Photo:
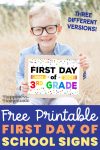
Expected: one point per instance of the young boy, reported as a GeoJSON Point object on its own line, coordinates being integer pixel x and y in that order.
{"type": "Point", "coordinates": [45, 26]}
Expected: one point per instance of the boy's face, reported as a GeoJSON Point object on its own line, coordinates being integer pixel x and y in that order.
{"type": "Point", "coordinates": [45, 40]}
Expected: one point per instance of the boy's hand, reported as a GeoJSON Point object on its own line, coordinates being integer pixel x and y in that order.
{"type": "Point", "coordinates": [24, 88]}
{"type": "Point", "coordinates": [83, 62]}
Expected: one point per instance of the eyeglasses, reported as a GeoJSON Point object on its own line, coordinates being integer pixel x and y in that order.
{"type": "Point", "coordinates": [51, 29]}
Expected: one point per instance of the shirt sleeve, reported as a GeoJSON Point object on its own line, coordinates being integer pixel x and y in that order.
{"type": "Point", "coordinates": [20, 71]}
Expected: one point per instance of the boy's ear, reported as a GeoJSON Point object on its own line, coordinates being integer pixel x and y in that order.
{"type": "Point", "coordinates": [59, 28]}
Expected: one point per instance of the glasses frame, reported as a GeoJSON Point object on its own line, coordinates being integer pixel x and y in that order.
{"type": "Point", "coordinates": [43, 28]}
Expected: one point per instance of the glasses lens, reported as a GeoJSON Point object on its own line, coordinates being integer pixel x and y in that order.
{"type": "Point", "coordinates": [51, 29]}
{"type": "Point", "coordinates": [37, 30]}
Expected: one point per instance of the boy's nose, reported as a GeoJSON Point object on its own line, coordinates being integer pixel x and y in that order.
{"type": "Point", "coordinates": [44, 32]}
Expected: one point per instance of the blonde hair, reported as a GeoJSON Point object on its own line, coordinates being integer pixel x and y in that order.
{"type": "Point", "coordinates": [44, 9]}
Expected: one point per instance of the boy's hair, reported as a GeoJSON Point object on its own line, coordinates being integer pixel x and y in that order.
{"type": "Point", "coordinates": [48, 10]}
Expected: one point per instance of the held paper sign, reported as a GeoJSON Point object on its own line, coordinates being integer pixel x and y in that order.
{"type": "Point", "coordinates": [52, 76]}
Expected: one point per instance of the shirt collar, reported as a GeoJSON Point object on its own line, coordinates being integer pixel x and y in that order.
{"type": "Point", "coordinates": [38, 52]}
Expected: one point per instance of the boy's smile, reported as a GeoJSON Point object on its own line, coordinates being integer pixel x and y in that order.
{"type": "Point", "coordinates": [45, 39]}
{"type": "Point", "coordinates": [46, 44]}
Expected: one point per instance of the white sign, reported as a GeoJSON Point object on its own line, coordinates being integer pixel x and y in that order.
{"type": "Point", "coordinates": [52, 76]}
